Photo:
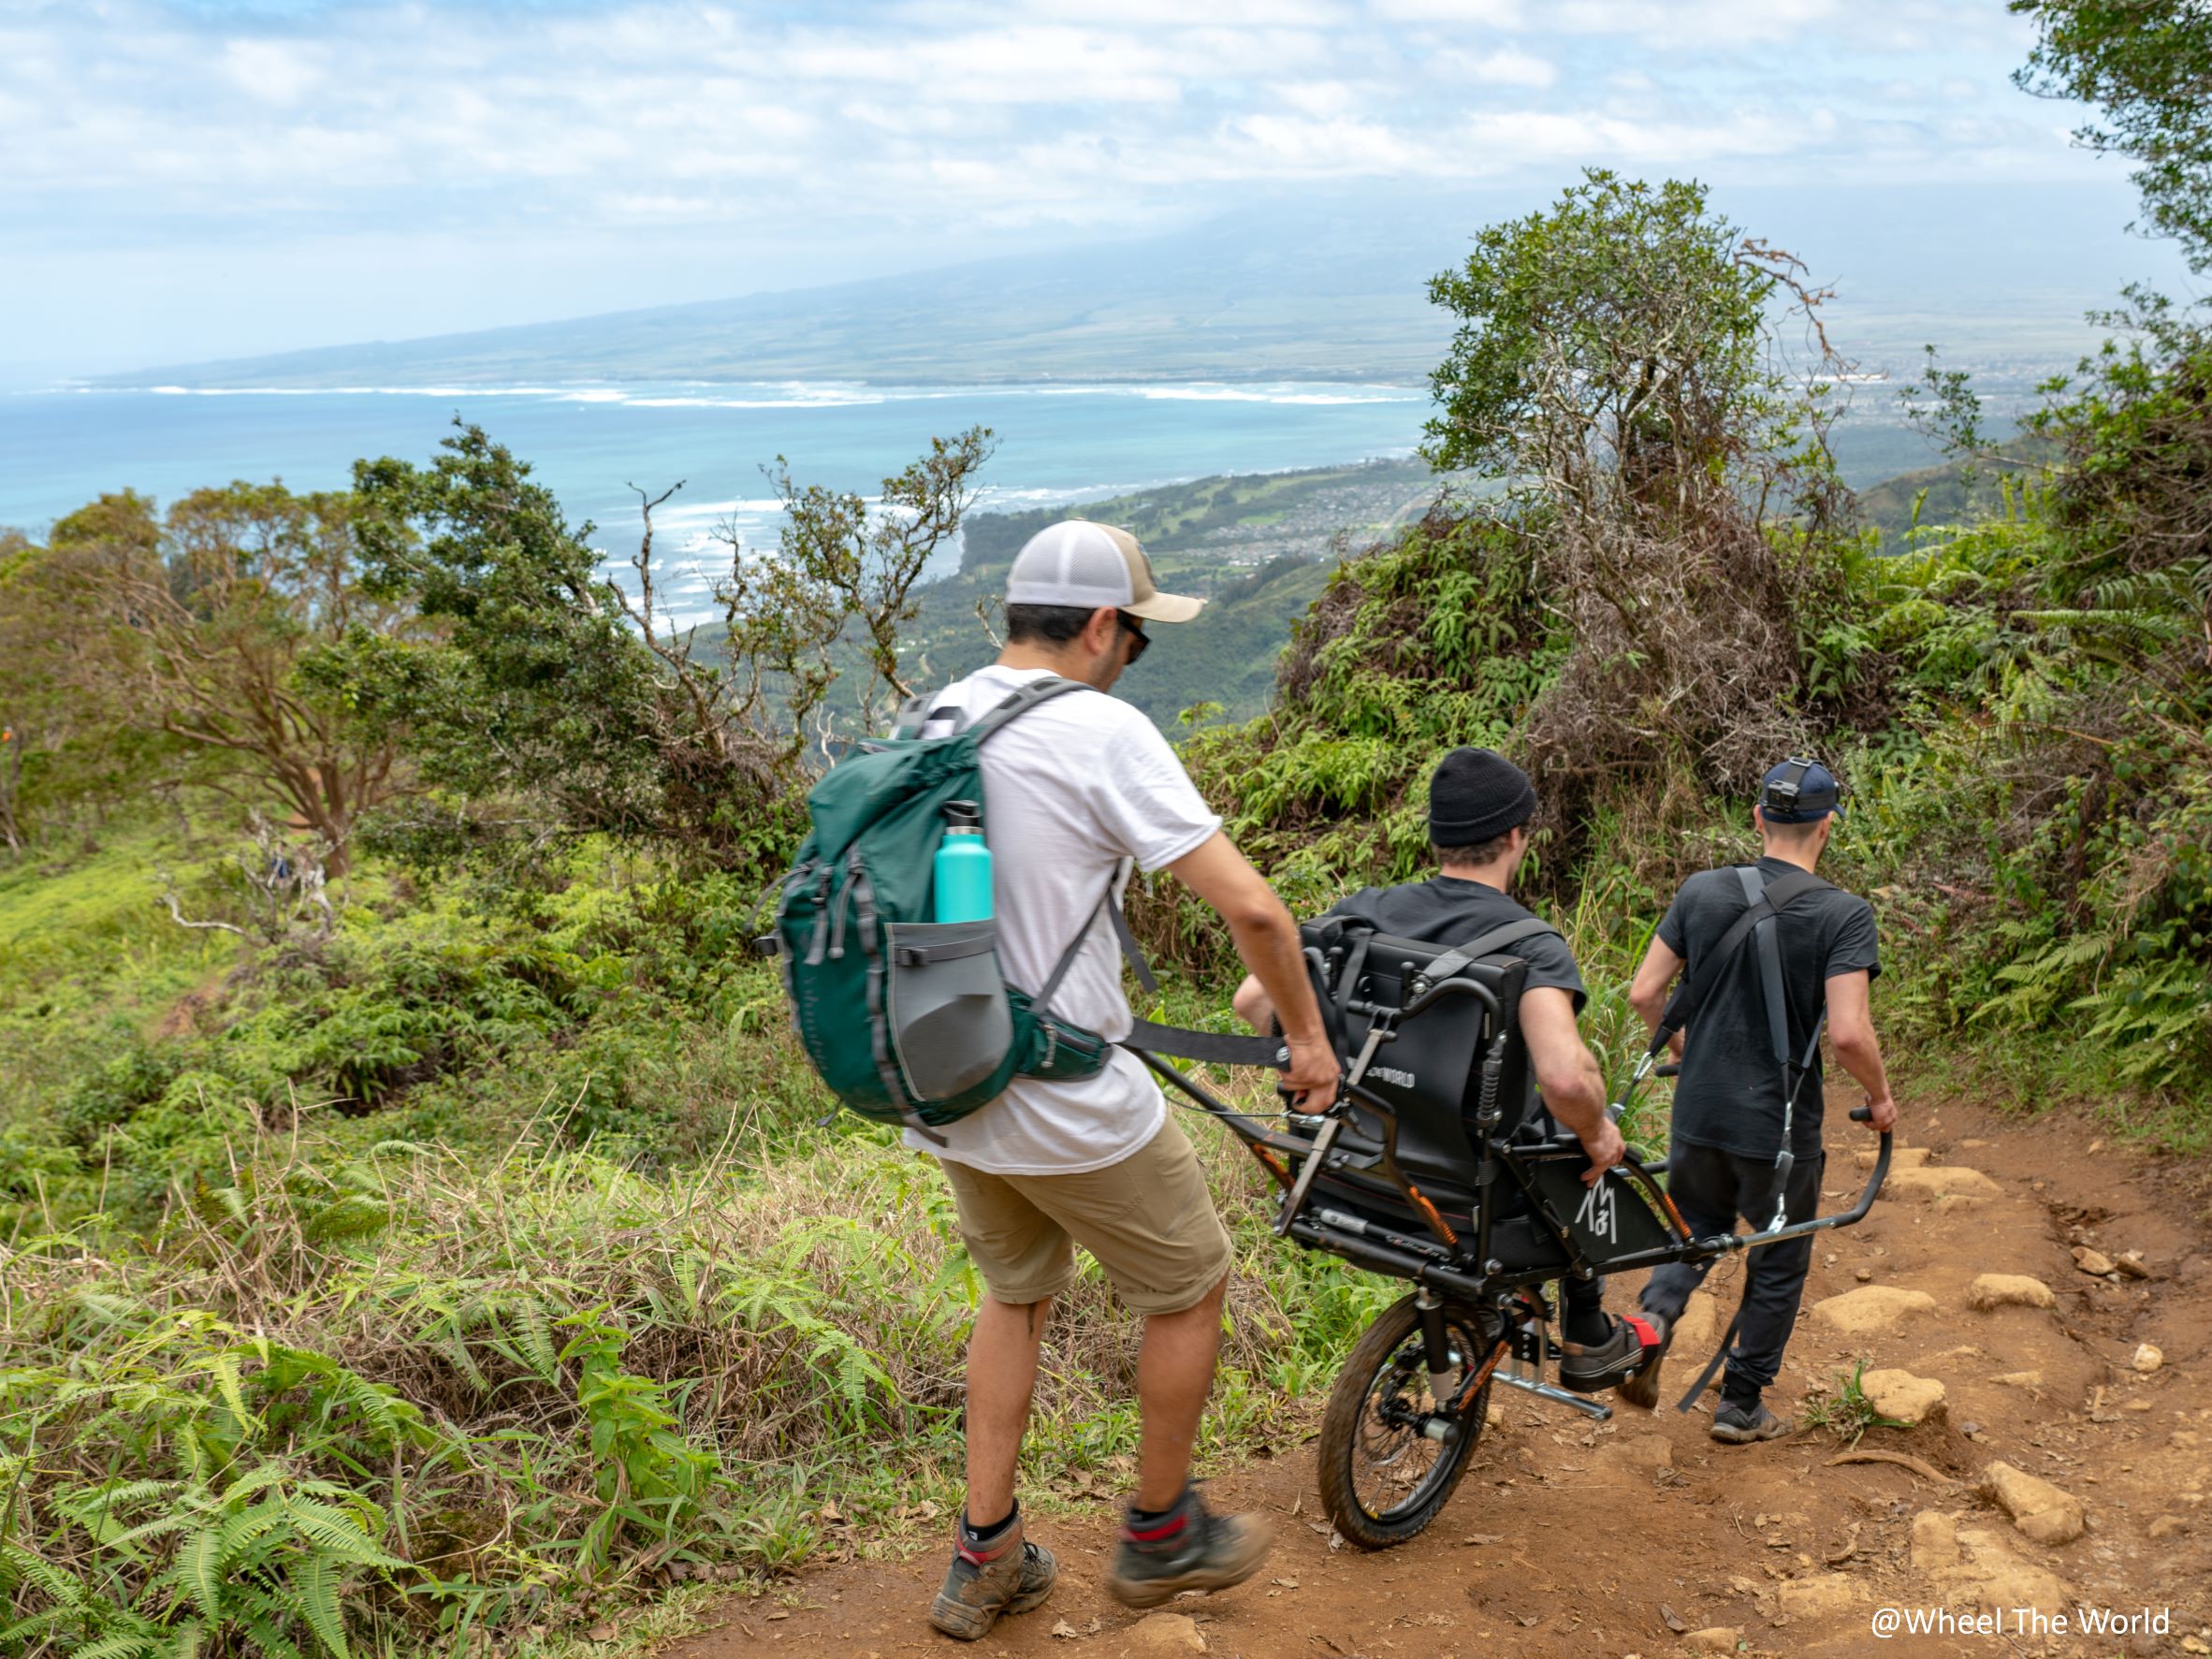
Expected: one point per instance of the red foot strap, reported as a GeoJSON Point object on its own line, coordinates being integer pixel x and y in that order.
{"type": "Point", "coordinates": [1645, 1333]}
{"type": "Point", "coordinates": [1152, 1535]}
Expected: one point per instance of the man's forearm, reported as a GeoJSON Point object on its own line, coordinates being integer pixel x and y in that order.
{"type": "Point", "coordinates": [1861, 1056]}
{"type": "Point", "coordinates": [1270, 950]}
{"type": "Point", "coordinates": [1580, 1103]}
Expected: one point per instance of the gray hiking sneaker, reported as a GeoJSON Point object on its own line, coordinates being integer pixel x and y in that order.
{"type": "Point", "coordinates": [1641, 1387]}
{"type": "Point", "coordinates": [1010, 1577]}
{"type": "Point", "coordinates": [1190, 1549]}
{"type": "Point", "coordinates": [1589, 1367]}
{"type": "Point", "coordinates": [1741, 1425]}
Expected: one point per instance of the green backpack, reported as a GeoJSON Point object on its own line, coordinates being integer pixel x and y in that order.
{"type": "Point", "coordinates": [908, 1019]}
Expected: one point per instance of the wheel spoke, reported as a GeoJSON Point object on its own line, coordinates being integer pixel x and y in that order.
{"type": "Point", "coordinates": [1394, 1464]}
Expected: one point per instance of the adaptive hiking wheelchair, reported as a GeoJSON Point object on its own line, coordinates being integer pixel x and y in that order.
{"type": "Point", "coordinates": [1437, 1165]}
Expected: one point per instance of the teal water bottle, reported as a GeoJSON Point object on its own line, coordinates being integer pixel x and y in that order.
{"type": "Point", "coordinates": [962, 866]}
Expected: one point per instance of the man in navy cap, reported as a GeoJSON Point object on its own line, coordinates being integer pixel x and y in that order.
{"type": "Point", "coordinates": [1729, 1106]}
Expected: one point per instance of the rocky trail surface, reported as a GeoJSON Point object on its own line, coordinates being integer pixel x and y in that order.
{"type": "Point", "coordinates": [2040, 1304]}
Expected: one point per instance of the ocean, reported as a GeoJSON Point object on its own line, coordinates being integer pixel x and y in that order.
{"type": "Point", "coordinates": [60, 449]}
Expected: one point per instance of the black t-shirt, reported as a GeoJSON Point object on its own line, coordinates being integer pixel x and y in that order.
{"type": "Point", "coordinates": [1452, 910]}
{"type": "Point", "coordinates": [1730, 1092]}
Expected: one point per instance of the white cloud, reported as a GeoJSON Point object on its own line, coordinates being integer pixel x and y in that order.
{"type": "Point", "coordinates": [134, 121]}
{"type": "Point", "coordinates": [1496, 14]}
{"type": "Point", "coordinates": [1506, 66]}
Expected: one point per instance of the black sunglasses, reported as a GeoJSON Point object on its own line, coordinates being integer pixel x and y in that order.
{"type": "Point", "coordinates": [1144, 639]}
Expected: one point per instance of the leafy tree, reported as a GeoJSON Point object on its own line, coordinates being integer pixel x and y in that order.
{"type": "Point", "coordinates": [196, 625]}
{"type": "Point", "coordinates": [842, 561]}
{"type": "Point", "coordinates": [1617, 360]}
{"type": "Point", "coordinates": [2148, 64]}
{"type": "Point", "coordinates": [578, 700]}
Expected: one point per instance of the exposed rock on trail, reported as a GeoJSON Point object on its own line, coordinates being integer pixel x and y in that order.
{"type": "Point", "coordinates": [1903, 1397]}
{"type": "Point", "coordinates": [1996, 1290]}
{"type": "Point", "coordinates": [1873, 1310]}
{"type": "Point", "coordinates": [2052, 1468]}
{"type": "Point", "coordinates": [2042, 1511]}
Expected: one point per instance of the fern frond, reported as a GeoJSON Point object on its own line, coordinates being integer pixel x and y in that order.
{"type": "Point", "coordinates": [336, 1533]}
{"type": "Point", "coordinates": [130, 1645]}
{"type": "Point", "coordinates": [19, 1565]}
{"type": "Point", "coordinates": [314, 1588]}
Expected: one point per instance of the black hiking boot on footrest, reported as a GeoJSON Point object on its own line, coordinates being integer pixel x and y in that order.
{"type": "Point", "coordinates": [1188, 1549]}
{"type": "Point", "coordinates": [1589, 1367]}
{"type": "Point", "coordinates": [1011, 1576]}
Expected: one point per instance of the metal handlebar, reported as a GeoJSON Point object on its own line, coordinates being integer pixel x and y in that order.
{"type": "Point", "coordinates": [1822, 1223]}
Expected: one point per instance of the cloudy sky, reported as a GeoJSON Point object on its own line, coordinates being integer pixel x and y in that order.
{"type": "Point", "coordinates": [198, 177]}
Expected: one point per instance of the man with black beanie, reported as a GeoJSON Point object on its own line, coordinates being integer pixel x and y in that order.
{"type": "Point", "coordinates": [1479, 806]}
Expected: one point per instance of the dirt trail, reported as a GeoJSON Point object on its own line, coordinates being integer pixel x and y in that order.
{"type": "Point", "coordinates": [1565, 1538]}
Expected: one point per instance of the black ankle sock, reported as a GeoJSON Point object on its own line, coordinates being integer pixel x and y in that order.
{"type": "Point", "coordinates": [992, 1534]}
{"type": "Point", "coordinates": [1154, 1517]}
{"type": "Point", "coordinates": [1586, 1326]}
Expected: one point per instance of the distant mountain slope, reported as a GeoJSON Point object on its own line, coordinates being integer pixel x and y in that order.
{"type": "Point", "coordinates": [1324, 286]}
{"type": "Point", "coordinates": [1206, 304]}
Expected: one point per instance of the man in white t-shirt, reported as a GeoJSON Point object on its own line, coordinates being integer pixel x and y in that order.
{"type": "Point", "coordinates": [1080, 790]}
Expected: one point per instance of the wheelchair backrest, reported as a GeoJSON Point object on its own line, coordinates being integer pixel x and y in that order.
{"type": "Point", "coordinates": [1430, 1073]}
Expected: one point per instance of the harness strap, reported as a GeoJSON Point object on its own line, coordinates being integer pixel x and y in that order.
{"type": "Point", "coordinates": [1683, 1006]}
{"type": "Point", "coordinates": [1212, 1047]}
{"type": "Point", "coordinates": [1763, 904]}
{"type": "Point", "coordinates": [1130, 951]}
{"type": "Point", "coordinates": [1770, 949]}
{"type": "Point", "coordinates": [1486, 944]}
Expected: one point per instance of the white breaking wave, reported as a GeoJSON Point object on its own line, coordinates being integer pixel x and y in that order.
{"type": "Point", "coordinates": [813, 395]}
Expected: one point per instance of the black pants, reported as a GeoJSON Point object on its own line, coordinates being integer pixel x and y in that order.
{"type": "Point", "coordinates": [1582, 1296]}
{"type": "Point", "coordinates": [1713, 1188]}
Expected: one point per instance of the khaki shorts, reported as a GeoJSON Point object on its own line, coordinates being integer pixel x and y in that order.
{"type": "Point", "coordinates": [1148, 1221]}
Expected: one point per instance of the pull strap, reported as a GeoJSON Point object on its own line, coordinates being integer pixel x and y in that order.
{"type": "Point", "coordinates": [1486, 944]}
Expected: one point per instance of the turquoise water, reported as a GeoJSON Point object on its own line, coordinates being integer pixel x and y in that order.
{"type": "Point", "coordinates": [59, 450]}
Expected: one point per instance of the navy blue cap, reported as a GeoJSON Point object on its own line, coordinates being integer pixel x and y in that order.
{"type": "Point", "coordinates": [1798, 790]}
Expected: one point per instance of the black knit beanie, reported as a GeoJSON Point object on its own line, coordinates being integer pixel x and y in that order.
{"type": "Point", "coordinates": [1475, 795]}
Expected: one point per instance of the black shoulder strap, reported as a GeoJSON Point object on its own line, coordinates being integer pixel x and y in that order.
{"type": "Point", "coordinates": [1485, 945]}
{"type": "Point", "coordinates": [1762, 905]}
{"type": "Point", "coordinates": [1131, 951]}
{"type": "Point", "coordinates": [1772, 992]}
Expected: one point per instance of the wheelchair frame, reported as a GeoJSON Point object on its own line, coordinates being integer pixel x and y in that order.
{"type": "Point", "coordinates": [1446, 1269]}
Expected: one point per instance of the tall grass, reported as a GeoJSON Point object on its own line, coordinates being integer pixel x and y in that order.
{"type": "Point", "coordinates": [405, 1396]}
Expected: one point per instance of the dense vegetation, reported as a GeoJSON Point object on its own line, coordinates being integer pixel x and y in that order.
{"type": "Point", "coordinates": [418, 1230]}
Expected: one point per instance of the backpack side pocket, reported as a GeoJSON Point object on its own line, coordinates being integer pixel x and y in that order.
{"type": "Point", "coordinates": [951, 1026]}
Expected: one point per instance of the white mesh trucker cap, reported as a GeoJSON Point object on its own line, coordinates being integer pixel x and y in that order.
{"type": "Point", "coordinates": [1076, 563]}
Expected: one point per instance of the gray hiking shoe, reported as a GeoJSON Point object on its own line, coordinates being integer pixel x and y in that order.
{"type": "Point", "coordinates": [1011, 1577]}
{"type": "Point", "coordinates": [1641, 1387]}
{"type": "Point", "coordinates": [1589, 1367]}
{"type": "Point", "coordinates": [1191, 1548]}
{"type": "Point", "coordinates": [1741, 1425]}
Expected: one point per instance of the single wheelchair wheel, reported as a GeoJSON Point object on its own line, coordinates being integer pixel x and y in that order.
{"type": "Point", "coordinates": [1390, 1456]}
